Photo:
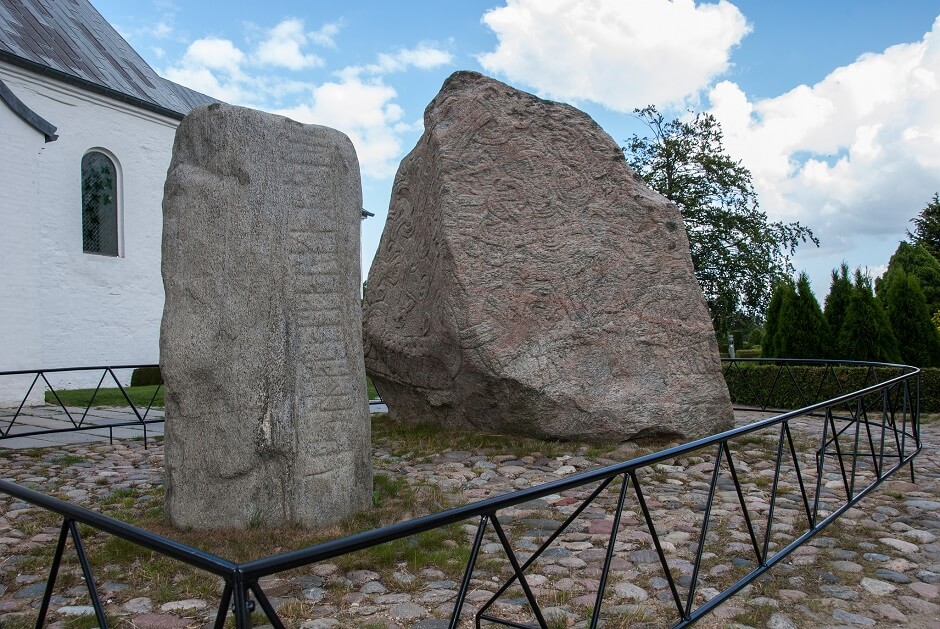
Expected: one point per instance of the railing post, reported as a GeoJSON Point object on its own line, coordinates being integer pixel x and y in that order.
{"type": "Point", "coordinates": [241, 601]}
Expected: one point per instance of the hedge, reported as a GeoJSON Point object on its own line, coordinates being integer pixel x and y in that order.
{"type": "Point", "coordinates": [146, 376]}
{"type": "Point", "coordinates": [765, 384]}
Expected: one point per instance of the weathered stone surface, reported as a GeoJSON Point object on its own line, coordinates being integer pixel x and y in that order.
{"type": "Point", "coordinates": [261, 344]}
{"type": "Point", "coordinates": [528, 282]}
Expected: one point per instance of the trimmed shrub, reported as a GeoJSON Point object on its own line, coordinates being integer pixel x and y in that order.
{"type": "Point", "coordinates": [146, 376]}
{"type": "Point", "coordinates": [802, 385]}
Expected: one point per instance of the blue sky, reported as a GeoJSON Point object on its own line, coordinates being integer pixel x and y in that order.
{"type": "Point", "coordinates": [833, 106]}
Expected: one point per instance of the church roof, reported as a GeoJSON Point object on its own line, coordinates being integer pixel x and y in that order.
{"type": "Point", "coordinates": [70, 41]}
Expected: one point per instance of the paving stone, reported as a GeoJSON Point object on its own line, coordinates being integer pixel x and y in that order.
{"type": "Point", "coordinates": [886, 610]}
{"type": "Point", "coordinates": [139, 605]}
{"type": "Point", "coordinates": [630, 592]}
{"type": "Point", "coordinates": [898, 544]}
{"type": "Point", "coordinates": [846, 566]}
{"type": "Point", "coordinates": [892, 575]}
{"type": "Point", "coordinates": [184, 605]}
{"type": "Point", "coordinates": [76, 610]}
{"type": "Point", "coordinates": [780, 621]}
{"type": "Point", "coordinates": [925, 590]}
{"type": "Point", "coordinates": [876, 587]}
{"type": "Point", "coordinates": [843, 592]}
{"type": "Point", "coordinates": [407, 611]}
{"type": "Point", "coordinates": [854, 619]}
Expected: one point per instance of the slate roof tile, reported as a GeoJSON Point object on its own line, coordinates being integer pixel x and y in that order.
{"type": "Point", "coordinates": [73, 40]}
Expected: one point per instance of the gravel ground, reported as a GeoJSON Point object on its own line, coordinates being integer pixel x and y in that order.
{"type": "Point", "coordinates": [877, 566]}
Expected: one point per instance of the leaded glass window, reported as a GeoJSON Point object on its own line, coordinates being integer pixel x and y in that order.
{"type": "Point", "coordinates": [99, 204]}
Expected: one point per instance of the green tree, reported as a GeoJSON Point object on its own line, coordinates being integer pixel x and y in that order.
{"type": "Point", "coordinates": [904, 302]}
{"type": "Point", "coordinates": [866, 332]}
{"type": "Point", "coordinates": [837, 301]}
{"type": "Point", "coordinates": [737, 253]}
{"type": "Point", "coordinates": [784, 292]}
{"type": "Point", "coordinates": [800, 328]}
{"type": "Point", "coordinates": [927, 227]}
{"type": "Point", "coordinates": [917, 261]}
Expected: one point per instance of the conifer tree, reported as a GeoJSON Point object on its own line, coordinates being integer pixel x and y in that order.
{"type": "Point", "coordinates": [927, 227]}
{"type": "Point", "coordinates": [783, 292]}
{"type": "Point", "coordinates": [918, 340]}
{"type": "Point", "coordinates": [837, 302]}
{"type": "Point", "coordinates": [919, 262]}
{"type": "Point", "coordinates": [800, 330]}
{"type": "Point", "coordinates": [866, 331]}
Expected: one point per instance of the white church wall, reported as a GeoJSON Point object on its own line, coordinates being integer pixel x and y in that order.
{"type": "Point", "coordinates": [63, 307]}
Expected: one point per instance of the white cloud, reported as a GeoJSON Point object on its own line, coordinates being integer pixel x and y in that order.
{"type": "Point", "coordinates": [213, 66]}
{"type": "Point", "coordinates": [358, 101]}
{"type": "Point", "coordinates": [857, 154]}
{"type": "Point", "coordinates": [619, 54]}
{"type": "Point", "coordinates": [425, 56]}
{"type": "Point", "coordinates": [326, 34]}
{"type": "Point", "coordinates": [366, 112]}
{"type": "Point", "coordinates": [215, 54]}
{"type": "Point", "coordinates": [284, 45]}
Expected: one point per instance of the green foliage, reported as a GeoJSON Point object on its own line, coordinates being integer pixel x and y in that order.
{"type": "Point", "coordinates": [145, 376]}
{"type": "Point", "coordinates": [802, 331]}
{"type": "Point", "coordinates": [904, 302]}
{"type": "Point", "coordinates": [837, 301]}
{"type": "Point", "coordinates": [798, 386]}
{"type": "Point", "coordinates": [927, 227]}
{"type": "Point", "coordinates": [755, 338]}
{"type": "Point", "coordinates": [737, 253]}
{"type": "Point", "coordinates": [783, 291]}
{"type": "Point", "coordinates": [919, 262]}
{"type": "Point", "coordinates": [866, 333]}
{"type": "Point", "coordinates": [753, 384]}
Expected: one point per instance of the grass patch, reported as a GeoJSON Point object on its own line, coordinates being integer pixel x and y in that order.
{"type": "Point", "coordinates": [428, 440]}
{"type": "Point", "coordinates": [141, 396]}
{"type": "Point", "coordinates": [69, 459]}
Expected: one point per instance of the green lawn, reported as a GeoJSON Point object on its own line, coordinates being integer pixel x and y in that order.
{"type": "Point", "coordinates": [141, 396]}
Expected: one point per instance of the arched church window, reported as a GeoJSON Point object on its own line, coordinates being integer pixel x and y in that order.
{"type": "Point", "coordinates": [99, 204]}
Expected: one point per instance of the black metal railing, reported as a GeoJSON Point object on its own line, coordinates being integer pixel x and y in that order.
{"type": "Point", "coordinates": [822, 459]}
{"type": "Point", "coordinates": [25, 418]}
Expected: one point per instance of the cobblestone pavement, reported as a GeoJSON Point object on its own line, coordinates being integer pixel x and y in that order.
{"type": "Point", "coordinates": [877, 566]}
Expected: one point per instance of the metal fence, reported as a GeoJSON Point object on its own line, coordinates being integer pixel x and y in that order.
{"type": "Point", "coordinates": [33, 413]}
{"type": "Point", "coordinates": [823, 458]}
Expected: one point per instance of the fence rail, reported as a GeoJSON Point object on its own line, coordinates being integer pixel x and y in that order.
{"type": "Point", "coordinates": [856, 439]}
{"type": "Point", "coordinates": [29, 419]}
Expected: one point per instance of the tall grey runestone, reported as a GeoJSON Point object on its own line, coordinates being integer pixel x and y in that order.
{"type": "Point", "coordinates": [261, 342]}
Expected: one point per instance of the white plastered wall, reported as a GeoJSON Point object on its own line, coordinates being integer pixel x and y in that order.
{"type": "Point", "coordinates": [60, 307]}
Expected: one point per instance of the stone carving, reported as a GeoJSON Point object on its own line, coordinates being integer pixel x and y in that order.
{"type": "Point", "coordinates": [528, 282]}
{"type": "Point", "coordinates": [261, 343]}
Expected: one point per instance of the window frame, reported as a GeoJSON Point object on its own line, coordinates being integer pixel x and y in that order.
{"type": "Point", "coordinates": [118, 203]}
